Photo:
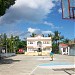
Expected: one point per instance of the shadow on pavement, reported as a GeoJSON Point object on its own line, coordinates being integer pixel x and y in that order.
{"type": "Point", "coordinates": [8, 61]}
{"type": "Point", "coordinates": [70, 71]}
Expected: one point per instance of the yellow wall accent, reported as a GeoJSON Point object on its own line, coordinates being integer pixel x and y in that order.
{"type": "Point", "coordinates": [36, 53]}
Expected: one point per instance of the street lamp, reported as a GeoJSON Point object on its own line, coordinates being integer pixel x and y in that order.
{"type": "Point", "coordinates": [12, 46]}
{"type": "Point", "coordinates": [6, 47]}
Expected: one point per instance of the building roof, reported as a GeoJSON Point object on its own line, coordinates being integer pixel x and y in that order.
{"type": "Point", "coordinates": [38, 38]}
{"type": "Point", "coordinates": [63, 45]}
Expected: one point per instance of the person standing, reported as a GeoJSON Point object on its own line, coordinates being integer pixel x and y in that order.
{"type": "Point", "coordinates": [51, 55]}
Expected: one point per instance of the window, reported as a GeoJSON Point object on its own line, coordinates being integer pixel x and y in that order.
{"type": "Point", "coordinates": [30, 49]}
{"type": "Point", "coordinates": [39, 43]}
{"type": "Point", "coordinates": [31, 42]}
{"type": "Point", "coordinates": [28, 43]}
{"type": "Point", "coordinates": [43, 42]}
{"type": "Point", "coordinates": [46, 42]}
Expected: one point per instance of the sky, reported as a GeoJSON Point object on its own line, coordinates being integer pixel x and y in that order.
{"type": "Point", "coordinates": [36, 16]}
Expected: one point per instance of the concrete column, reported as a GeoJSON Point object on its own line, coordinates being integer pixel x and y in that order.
{"type": "Point", "coordinates": [68, 50]}
{"type": "Point", "coordinates": [62, 51]}
{"type": "Point", "coordinates": [27, 50]}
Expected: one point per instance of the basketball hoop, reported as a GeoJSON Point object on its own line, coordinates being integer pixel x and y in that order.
{"type": "Point", "coordinates": [68, 9]}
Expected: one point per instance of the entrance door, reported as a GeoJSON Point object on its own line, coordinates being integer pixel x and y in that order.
{"type": "Point", "coordinates": [39, 50]}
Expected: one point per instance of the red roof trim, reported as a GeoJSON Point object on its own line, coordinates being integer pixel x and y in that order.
{"type": "Point", "coordinates": [63, 45]}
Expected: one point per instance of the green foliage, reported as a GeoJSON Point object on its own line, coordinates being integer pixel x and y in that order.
{"type": "Point", "coordinates": [56, 38]}
{"type": "Point", "coordinates": [33, 35]}
{"type": "Point", "coordinates": [55, 48]}
{"type": "Point", "coordinates": [66, 41]}
{"type": "Point", "coordinates": [5, 4]}
{"type": "Point", "coordinates": [49, 35]}
{"type": "Point", "coordinates": [13, 43]}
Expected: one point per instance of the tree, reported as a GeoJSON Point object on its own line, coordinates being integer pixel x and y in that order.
{"type": "Point", "coordinates": [5, 4]}
{"type": "Point", "coordinates": [43, 35]}
{"type": "Point", "coordinates": [50, 35]}
{"type": "Point", "coordinates": [1, 39]}
{"type": "Point", "coordinates": [16, 43]}
{"type": "Point", "coordinates": [4, 39]}
{"type": "Point", "coordinates": [66, 41]}
{"type": "Point", "coordinates": [22, 44]}
{"type": "Point", "coordinates": [12, 43]}
{"type": "Point", "coordinates": [33, 35]}
{"type": "Point", "coordinates": [56, 38]}
{"type": "Point", "coordinates": [0, 44]}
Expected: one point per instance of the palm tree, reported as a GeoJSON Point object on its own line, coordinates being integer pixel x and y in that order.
{"type": "Point", "coordinates": [50, 35]}
{"type": "Point", "coordinates": [16, 42]}
{"type": "Point", "coordinates": [33, 35]}
{"type": "Point", "coordinates": [12, 43]}
{"type": "Point", "coordinates": [4, 39]}
{"type": "Point", "coordinates": [43, 35]}
{"type": "Point", "coordinates": [56, 38]}
{"type": "Point", "coordinates": [1, 39]}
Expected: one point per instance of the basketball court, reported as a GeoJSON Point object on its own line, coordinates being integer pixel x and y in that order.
{"type": "Point", "coordinates": [38, 65]}
{"type": "Point", "coordinates": [53, 67]}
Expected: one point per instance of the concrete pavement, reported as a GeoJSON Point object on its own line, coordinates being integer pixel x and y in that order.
{"type": "Point", "coordinates": [27, 65]}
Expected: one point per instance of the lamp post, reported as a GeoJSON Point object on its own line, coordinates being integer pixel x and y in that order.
{"type": "Point", "coordinates": [6, 47]}
{"type": "Point", "coordinates": [12, 46]}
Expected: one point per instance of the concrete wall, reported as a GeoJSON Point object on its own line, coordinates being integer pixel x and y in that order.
{"type": "Point", "coordinates": [36, 53]}
{"type": "Point", "coordinates": [72, 52]}
{"type": "Point", "coordinates": [7, 54]}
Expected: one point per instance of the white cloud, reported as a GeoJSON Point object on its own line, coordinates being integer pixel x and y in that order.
{"type": "Point", "coordinates": [29, 32]}
{"type": "Point", "coordinates": [57, 27]}
{"type": "Point", "coordinates": [60, 10]}
{"type": "Point", "coordinates": [56, 0]}
{"type": "Point", "coordinates": [48, 23]}
{"type": "Point", "coordinates": [39, 31]}
{"type": "Point", "coordinates": [52, 25]}
{"type": "Point", "coordinates": [31, 10]}
{"type": "Point", "coordinates": [14, 33]}
{"type": "Point", "coordinates": [47, 32]}
{"type": "Point", "coordinates": [32, 30]}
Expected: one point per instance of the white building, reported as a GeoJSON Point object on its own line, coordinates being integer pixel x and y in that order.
{"type": "Point", "coordinates": [64, 49]}
{"type": "Point", "coordinates": [39, 44]}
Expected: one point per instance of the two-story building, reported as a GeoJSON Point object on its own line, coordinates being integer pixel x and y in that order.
{"type": "Point", "coordinates": [39, 44]}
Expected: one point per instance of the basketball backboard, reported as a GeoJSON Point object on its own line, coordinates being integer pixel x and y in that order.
{"type": "Point", "coordinates": [68, 9]}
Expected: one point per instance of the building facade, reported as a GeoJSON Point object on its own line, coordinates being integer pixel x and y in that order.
{"type": "Point", "coordinates": [39, 44]}
{"type": "Point", "coordinates": [64, 49]}
{"type": "Point", "coordinates": [72, 50]}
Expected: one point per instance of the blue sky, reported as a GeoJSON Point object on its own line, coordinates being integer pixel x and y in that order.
{"type": "Point", "coordinates": [41, 17]}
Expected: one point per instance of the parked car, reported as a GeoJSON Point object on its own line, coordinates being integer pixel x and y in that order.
{"type": "Point", "coordinates": [21, 51]}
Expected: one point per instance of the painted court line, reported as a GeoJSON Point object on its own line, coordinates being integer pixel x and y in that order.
{"type": "Point", "coordinates": [45, 59]}
{"type": "Point", "coordinates": [33, 70]}
{"type": "Point", "coordinates": [57, 66]}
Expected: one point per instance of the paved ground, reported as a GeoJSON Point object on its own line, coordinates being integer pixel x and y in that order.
{"type": "Point", "coordinates": [27, 65]}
